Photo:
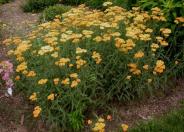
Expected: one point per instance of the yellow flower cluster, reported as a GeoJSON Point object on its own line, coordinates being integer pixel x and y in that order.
{"type": "Point", "coordinates": [157, 14]}
{"type": "Point", "coordinates": [99, 126]}
{"type": "Point", "coordinates": [66, 81]}
{"type": "Point", "coordinates": [21, 67]}
{"type": "Point", "coordinates": [31, 74]}
{"type": "Point", "coordinates": [165, 31]}
{"type": "Point", "coordinates": [139, 54]}
{"type": "Point", "coordinates": [36, 111]}
{"type": "Point", "coordinates": [51, 97]}
{"type": "Point", "coordinates": [124, 127]}
{"type": "Point", "coordinates": [42, 81]}
{"type": "Point", "coordinates": [97, 57]}
{"type": "Point", "coordinates": [107, 3]}
{"type": "Point", "coordinates": [45, 49]}
{"type": "Point", "coordinates": [134, 69]}
{"type": "Point", "coordinates": [124, 46]}
{"type": "Point", "coordinates": [74, 80]}
{"type": "Point", "coordinates": [160, 67]}
{"type": "Point", "coordinates": [33, 97]}
{"type": "Point", "coordinates": [80, 50]}
{"type": "Point", "coordinates": [179, 20]}
{"type": "Point", "coordinates": [62, 62]}
{"type": "Point", "coordinates": [56, 81]}
{"type": "Point", "coordinates": [154, 47]}
{"type": "Point", "coordinates": [80, 62]}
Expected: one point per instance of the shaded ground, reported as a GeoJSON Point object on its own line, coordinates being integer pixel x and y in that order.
{"type": "Point", "coordinates": [15, 113]}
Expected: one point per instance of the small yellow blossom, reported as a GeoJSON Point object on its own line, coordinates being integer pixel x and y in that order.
{"type": "Point", "coordinates": [154, 47]}
{"type": "Point", "coordinates": [97, 57]}
{"type": "Point", "coordinates": [36, 111]}
{"type": "Point", "coordinates": [80, 50]}
{"type": "Point", "coordinates": [17, 78]}
{"type": "Point", "coordinates": [128, 77]}
{"type": "Point", "coordinates": [74, 75]}
{"type": "Point", "coordinates": [66, 81]}
{"type": "Point", "coordinates": [124, 127]}
{"type": "Point", "coordinates": [98, 39]}
{"type": "Point", "coordinates": [50, 97]}
{"type": "Point", "coordinates": [80, 62]}
{"type": "Point", "coordinates": [146, 67]}
{"type": "Point", "coordinates": [25, 72]}
{"type": "Point", "coordinates": [62, 62]}
{"type": "Point", "coordinates": [160, 66]}
{"type": "Point", "coordinates": [33, 97]}
{"type": "Point", "coordinates": [108, 3]}
{"type": "Point", "coordinates": [55, 54]}
{"type": "Point", "coordinates": [139, 54]}
{"type": "Point", "coordinates": [56, 81]}
{"type": "Point", "coordinates": [164, 43]}
{"type": "Point", "coordinates": [42, 81]}
{"type": "Point", "coordinates": [21, 67]}
{"type": "Point", "coordinates": [99, 127]}
{"type": "Point", "coordinates": [101, 120]}
{"type": "Point", "coordinates": [31, 74]}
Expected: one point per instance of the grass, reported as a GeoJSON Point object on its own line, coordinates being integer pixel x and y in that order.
{"type": "Point", "coordinates": [172, 122]}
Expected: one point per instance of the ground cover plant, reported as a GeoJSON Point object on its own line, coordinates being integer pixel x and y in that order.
{"type": "Point", "coordinates": [38, 5]}
{"type": "Point", "coordinates": [76, 64]}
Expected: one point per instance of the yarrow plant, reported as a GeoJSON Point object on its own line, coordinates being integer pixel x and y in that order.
{"type": "Point", "coordinates": [6, 70]}
{"type": "Point", "coordinates": [77, 64]}
{"type": "Point", "coordinates": [99, 125]}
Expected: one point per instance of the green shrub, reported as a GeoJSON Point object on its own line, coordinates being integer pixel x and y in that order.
{"type": "Point", "coordinates": [4, 1]}
{"type": "Point", "coordinates": [73, 2]}
{"type": "Point", "coordinates": [51, 12]}
{"type": "Point", "coordinates": [98, 4]}
{"type": "Point", "coordinates": [171, 8]}
{"type": "Point", "coordinates": [38, 5]}
{"type": "Point", "coordinates": [74, 66]}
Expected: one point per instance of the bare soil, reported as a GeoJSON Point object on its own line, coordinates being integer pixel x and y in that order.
{"type": "Point", "coordinates": [18, 22]}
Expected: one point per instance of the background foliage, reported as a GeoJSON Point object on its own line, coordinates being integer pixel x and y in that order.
{"type": "Point", "coordinates": [51, 12]}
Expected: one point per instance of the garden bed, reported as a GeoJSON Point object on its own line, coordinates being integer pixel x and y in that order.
{"type": "Point", "coordinates": [70, 68]}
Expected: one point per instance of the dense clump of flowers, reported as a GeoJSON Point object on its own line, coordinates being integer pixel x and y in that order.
{"type": "Point", "coordinates": [6, 70]}
{"type": "Point", "coordinates": [88, 58]}
{"type": "Point", "coordinates": [100, 124]}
